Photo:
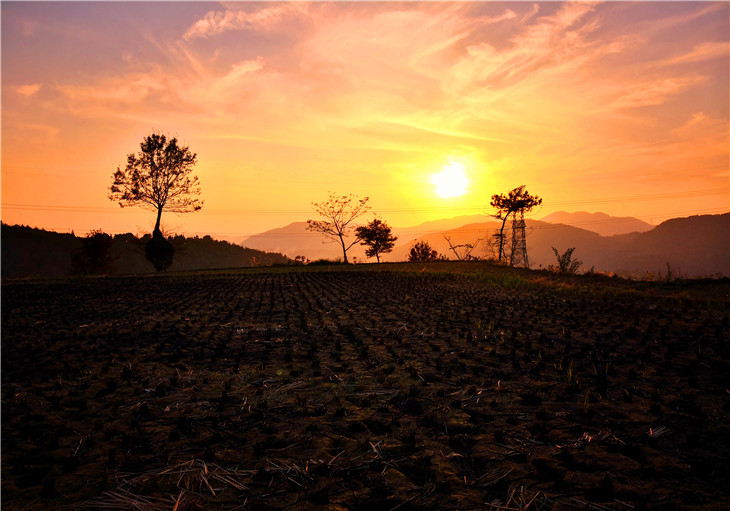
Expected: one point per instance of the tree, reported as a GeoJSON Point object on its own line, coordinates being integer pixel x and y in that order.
{"type": "Point", "coordinates": [468, 248]}
{"type": "Point", "coordinates": [421, 252]}
{"type": "Point", "coordinates": [338, 212]}
{"type": "Point", "coordinates": [517, 201]}
{"type": "Point", "coordinates": [377, 237]}
{"type": "Point", "coordinates": [566, 263]}
{"type": "Point", "coordinates": [158, 178]}
{"type": "Point", "coordinates": [94, 257]}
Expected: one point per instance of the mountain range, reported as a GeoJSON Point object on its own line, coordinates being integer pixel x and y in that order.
{"type": "Point", "coordinates": [601, 223]}
{"type": "Point", "coordinates": [697, 246]}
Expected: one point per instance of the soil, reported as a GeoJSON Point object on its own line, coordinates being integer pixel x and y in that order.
{"type": "Point", "coordinates": [364, 389]}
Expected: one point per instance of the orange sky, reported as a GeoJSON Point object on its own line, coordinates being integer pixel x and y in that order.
{"type": "Point", "coordinates": [619, 107]}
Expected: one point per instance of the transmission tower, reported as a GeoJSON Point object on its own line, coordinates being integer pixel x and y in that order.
{"type": "Point", "coordinates": [519, 241]}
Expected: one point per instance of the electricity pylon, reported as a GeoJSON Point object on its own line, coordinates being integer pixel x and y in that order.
{"type": "Point", "coordinates": [518, 257]}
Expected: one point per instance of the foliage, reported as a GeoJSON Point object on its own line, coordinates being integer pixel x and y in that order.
{"type": "Point", "coordinates": [28, 252]}
{"type": "Point", "coordinates": [325, 262]}
{"type": "Point", "coordinates": [94, 257]}
{"type": "Point", "coordinates": [516, 201]}
{"type": "Point", "coordinates": [32, 252]}
{"type": "Point", "coordinates": [566, 263]}
{"type": "Point", "coordinates": [377, 236]}
{"type": "Point", "coordinates": [422, 251]}
{"type": "Point", "coordinates": [158, 178]}
{"type": "Point", "coordinates": [159, 251]}
{"type": "Point", "coordinates": [338, 212]}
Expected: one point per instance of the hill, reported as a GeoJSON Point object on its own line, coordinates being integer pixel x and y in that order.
{"type": "Point", "coordinates": [29, 252]}
{"type": "Point", "coordinates": [600, 223]}
{"type": "Point", "coordinates": [295, 240]}
{"type": "Point", "coordinates": [693, 246]}
{"type": "Point", "coordinates": [697, 246]}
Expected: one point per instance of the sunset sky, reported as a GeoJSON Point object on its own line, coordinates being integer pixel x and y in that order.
{"type": "Point", "coordinates": [620, 107]}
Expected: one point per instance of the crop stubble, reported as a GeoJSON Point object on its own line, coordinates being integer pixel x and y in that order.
{"type": "Point", "coordinates": [360, 389]}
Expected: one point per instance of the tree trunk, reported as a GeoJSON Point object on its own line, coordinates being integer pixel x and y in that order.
{"type": "Point", "coordinates": [157, 224]}
{"type": "Point", "coordinates": [377, 256]}
{"type": "Point", "coordinates": [501, 237]}
{"type": "Point", "coordinates": [344, 250]}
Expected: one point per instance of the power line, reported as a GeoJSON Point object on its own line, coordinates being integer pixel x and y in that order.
{"type": "Point", "coordinates": [633, 198]}
{"type": "Point", "coordinates": [405, 233]}
{"type": "Point", "coordinates": [548, 225]}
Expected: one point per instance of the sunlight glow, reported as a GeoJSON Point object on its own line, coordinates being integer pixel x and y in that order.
{"type": "Point", "coordinates": [450, 182]}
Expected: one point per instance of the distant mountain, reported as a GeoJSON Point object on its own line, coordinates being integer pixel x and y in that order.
{"type": "Point", "coordinates": [28, 252]}
{"type": "Point", "coordinates": [473, 233]}
{"type": "Point", "coordinates": [694, 247]}
{"type": "Point", "coordinates": [541, 236]}
{"type": "Point", "coordinates": [441, 225]}
{"type": "Point", "coordinates": [600, 223]}
{"type": "Point", "coordinates": [295, 240]}
{"type": "Point", "coordinates": [697, 246]}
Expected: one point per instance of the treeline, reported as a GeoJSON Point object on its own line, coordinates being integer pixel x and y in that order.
{"type": "Point", "coordinates": [31, 252]}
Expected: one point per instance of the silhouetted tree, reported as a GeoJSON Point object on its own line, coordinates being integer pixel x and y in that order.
{"type": "Point", "coordinates": [158, 178]}
{"type": "Point", "coordinates": [377, 237]}
{"type": "Point", "coordinates": [94, 257]}
{"type": "Point", "coordinates": [422, 251]}
{"type": "Point", "coordinates": [159, 251]}
{"type": "Point", "coordinates": [468, 248]}
{"type": "Point", "coordinates": [566, 263]}
{"type": "Point", "coordinates": [338, 212]}
{"type": "Point", "coordinates": [516, 201]}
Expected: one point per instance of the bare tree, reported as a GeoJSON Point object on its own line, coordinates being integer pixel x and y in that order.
{"type": "Point", "coordinates": [338, 212]}
{"type": "Point", "coordinates": [468, 248]}
{"type": "Point", "coordinates": [377, 236]}
{"type": "Point", "coordinates": [158, 178]}
{"type": "Point", "coordinates": [491, 246]}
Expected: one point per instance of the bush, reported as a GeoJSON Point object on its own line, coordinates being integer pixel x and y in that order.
{"type": "Point", "coordinates": [422, 251]}
{"type": "Point", "coordinates": [566, 263]}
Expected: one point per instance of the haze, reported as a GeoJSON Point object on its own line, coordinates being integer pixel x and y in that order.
{"type": "Point", "coordinates": [615, 107]}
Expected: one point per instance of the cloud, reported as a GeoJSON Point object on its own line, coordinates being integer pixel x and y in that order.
{"type": "Point", "coordinates": [216, 22]}
{"type": "Point", "coordinates": [28, 90]}
{"type": "Point", "coordinates": [700, 53]}
{"type": "Point", "coordinates": [655, 92]}
{"type": "Point", "coordinates": [551, 44]}
{"type": "Point", "coordinates": [129, 89]}
{"type": "Point", "coordinates": [42, 129]}
{"type": "Point", "coordinates": [389, 76]}
{"type": "Point", "coordinates": [28, 27]}
{"type": "Point", "coordinates": [698, 120]}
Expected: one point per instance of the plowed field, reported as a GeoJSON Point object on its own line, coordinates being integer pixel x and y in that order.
{"type": "Point", "coordinates": [364, 389]}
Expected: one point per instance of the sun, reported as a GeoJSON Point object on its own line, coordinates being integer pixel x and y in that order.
{"type": "Point", "coordinates": [450, 182]}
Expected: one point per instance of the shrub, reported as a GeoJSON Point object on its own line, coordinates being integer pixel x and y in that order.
{"type": "Point", "coordinates": [422, 251]}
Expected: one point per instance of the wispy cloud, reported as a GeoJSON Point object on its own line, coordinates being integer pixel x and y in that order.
{"type": "Point", "coordinates": [653, 93]}
{"type": "Point", "coordinates": [28, 90]}
{"type": "Point", "coordinates": [216, 22]}
{"type": "Point", "coordinates": [700, 53]}
{"type": "Point", "coordinates": [575, 91]}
